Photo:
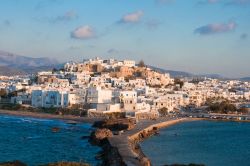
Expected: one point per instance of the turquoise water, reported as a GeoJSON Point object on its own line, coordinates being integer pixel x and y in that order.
{"type": "Point", "coordinates": [31, 140]}
{"type": "Point", "coordinates": [212, 143]}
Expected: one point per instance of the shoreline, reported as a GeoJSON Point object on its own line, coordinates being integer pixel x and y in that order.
{"type": "Point", "coordinates": [128, 143]}
{"type": "Point", "coordinates": [38, 115]}
{"type": "Point", "coordinates": [151, 130]}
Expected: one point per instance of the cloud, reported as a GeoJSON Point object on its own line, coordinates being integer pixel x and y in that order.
{"type": "Point", "coordinates": [68, 16]}
{"type": "Point", "coordinates": [83, 32]}
{"type": "Point", "coordinates": [244, 36]}
{"type": "Point", "coordinates": [216, 28]}
{"type": "Point", "coordinates": [132, 17]}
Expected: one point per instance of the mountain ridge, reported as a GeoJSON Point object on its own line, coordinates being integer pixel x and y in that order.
{"type": "Point", "coordinates": [14, 64]}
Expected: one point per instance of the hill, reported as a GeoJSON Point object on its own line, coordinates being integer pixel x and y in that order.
{"type": "Point", "coordinates": [13, 64]}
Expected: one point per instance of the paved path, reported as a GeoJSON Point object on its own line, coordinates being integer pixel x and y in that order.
{"type": "Point", "coordinates": [122, 141]}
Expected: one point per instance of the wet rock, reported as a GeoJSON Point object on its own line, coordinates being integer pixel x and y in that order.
{"type": "Point", "coordinates": [55, 129]}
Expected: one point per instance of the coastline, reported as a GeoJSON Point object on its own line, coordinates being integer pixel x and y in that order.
{"type": "Point", "coordinates": [126, 146]}
{"type": "Point", "coordinates": [66, 118]}
{"type": "Point", "coordinates": [127, 143]}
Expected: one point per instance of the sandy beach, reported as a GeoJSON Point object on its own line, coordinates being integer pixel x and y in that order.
{"type": "Point", "coordinates": [68, 118]}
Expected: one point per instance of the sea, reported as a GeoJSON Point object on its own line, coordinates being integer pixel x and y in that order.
{"type": "Point", "coordinates": [33, 141]}
{"type": "Point", "coordinates": [212, 143]}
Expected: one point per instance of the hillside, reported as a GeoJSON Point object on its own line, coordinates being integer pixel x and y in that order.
{"type": "Point", "coordinates": [13, 64]}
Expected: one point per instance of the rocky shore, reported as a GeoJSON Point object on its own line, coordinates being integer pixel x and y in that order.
{"type": "Point", "coordinates": [124, 149]}
{"type": "Point", "coordinates": [110, 154]}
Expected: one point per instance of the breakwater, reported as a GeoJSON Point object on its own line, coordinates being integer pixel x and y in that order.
{"type": "Point", "coordinates": [127, 143]}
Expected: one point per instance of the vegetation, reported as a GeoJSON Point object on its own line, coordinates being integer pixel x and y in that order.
{"type": "Point", "coordinates": [243, 110]}
{"type": "Point", "coordinates": [163, 111]}
{"type": "Point", "coordinates": [177, 81]}
{"type": "Point", "coordinates": [3, 93]}
{"type": "Point", "coordinates": [9, 106]}
{"type": "Point", "coordinates": [223, 107]}
{"type": "Point", "coordinates": [141, 64]}
{"type": "Point", "coordinates": [127, 78]}
{"type": "Point", "coordinates": [52, 110]}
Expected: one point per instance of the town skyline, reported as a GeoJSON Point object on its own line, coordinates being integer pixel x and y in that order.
{"type": "Point", "coordinates": [198, 36]}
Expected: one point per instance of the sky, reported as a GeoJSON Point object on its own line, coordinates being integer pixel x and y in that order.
{"type": "Point", "coordinates": [197, 36]}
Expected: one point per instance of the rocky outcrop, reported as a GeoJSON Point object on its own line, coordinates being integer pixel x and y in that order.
{"type": "Point", "coordinates": [111, 156]}
{"type": "Point", "coordinates": [145, 134]}
{"type": "Point", "coordinates": [144, 161]}
{"type": "Point", "coordinates": [116, 124]}
{"type": "Point", "coordinates": [13, 163]}
{"type": "Point", "coordinates": [100, 135]}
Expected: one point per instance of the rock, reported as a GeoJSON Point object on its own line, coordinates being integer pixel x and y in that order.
{"type": "Point", "coordinates": [55, 129]}
{"type": "Point", "coordinates": [145, 161]}
{"type": "Point", "coordinates": [13, 163]}
{"type": "Point", "coordinates": [116, 124]}
{"type": "Point", "coordinates": [99, 135]}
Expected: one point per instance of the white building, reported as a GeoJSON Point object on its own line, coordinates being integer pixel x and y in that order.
{"type": "Point", "coordinates": [49, 98]}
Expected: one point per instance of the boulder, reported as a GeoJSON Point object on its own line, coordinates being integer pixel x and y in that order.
{"type": "Point", "coordinates": [99, 135]}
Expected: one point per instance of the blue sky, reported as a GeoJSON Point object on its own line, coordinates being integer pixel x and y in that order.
{"type": "Point", "coordinates": [198, 36]}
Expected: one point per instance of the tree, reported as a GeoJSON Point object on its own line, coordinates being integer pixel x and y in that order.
{"type": "Point", "coordinates": [163, 111]}
{"type": "Point", "coordinates": [141, 64]}
{"type": "Point", "coordinates": [177, 81]}
{"type": "Point", "coordinates": [54, 70]}
{"type": "Point", "coordinates": [3, 93]}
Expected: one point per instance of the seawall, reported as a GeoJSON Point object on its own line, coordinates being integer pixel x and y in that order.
{"type": "Point", "coordinates": [127, 144]}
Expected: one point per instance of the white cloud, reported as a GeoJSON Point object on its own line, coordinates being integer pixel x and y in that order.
{"type": "Point", "coordinates": [216, 28]}
{"type": "Point", "coordinates": [132, 17]}
{"type": "Point", "coordinates": [83, 32]}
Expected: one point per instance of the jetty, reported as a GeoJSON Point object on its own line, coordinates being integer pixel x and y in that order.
{"type": "Point", "coordinates": [127, 141]}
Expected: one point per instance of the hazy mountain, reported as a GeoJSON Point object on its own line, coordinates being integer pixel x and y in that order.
{"type": "Point", "coordinates": [12, 64]}
{"type": "Point", "coordinates": [245, 79]}
{"type": "Point", "coordinates": [173, 73]}
{"type": "Point", "coordinates": [10, 59]}
{"type": "Point", "coordinates": [8, 71]}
